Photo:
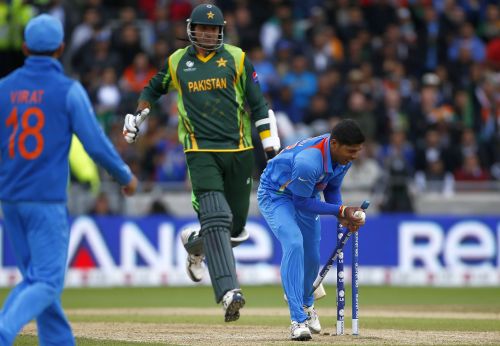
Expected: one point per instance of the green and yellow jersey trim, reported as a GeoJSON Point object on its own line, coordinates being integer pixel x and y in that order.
{"type": "Point", "coordinates": [217, 150]}
{"type": "Point", "coordinates": [239, 82]}
{"type": "Point", "coordinates": [173, 63]}
{"type": "Point", "coordinates": [205, 58]}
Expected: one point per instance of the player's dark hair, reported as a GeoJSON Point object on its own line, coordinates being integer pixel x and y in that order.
{"type": "Point", "coordinates": [348, 132]}
{"type": "Point", "coordinates": [44, 53]}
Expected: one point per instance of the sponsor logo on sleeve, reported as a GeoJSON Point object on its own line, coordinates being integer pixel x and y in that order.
{"type": "Point", "coordinates": [255, 77]}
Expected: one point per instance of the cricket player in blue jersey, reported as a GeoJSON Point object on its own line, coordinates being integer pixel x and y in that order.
{"type": "Point", "coordinates": [40, 110]}
{"type": "Point", "coordinates": [289, 200]}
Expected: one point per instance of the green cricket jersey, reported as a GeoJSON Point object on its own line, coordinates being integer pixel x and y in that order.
{"type": "Point", "coordinates": [212, 92]}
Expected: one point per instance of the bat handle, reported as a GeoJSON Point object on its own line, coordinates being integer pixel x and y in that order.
{"type": "Point", "coordinates": [365, 204]}
{"type": "Point", "coordinates": [141, 116]}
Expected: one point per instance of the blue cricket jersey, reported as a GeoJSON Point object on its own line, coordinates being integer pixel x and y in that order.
{"type": "Point", "coordinates": [305, 169]}
{"type": "Point", "coordinates": [40, 109]}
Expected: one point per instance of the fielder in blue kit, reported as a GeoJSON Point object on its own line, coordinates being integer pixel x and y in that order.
{"type": "Point", "coordinates": [40, 109]}
{"type": "Point", "coordinates": [289, 200]}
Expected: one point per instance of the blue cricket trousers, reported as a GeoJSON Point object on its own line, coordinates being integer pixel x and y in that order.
{"type": "Point", "coordinates": [39, 235]}
{"type": "Point", "coordinates": [299, 234]}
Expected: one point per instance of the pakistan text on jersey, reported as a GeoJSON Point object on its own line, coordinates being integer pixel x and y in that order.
{"type": "Point", "coordinates": [207, 84]}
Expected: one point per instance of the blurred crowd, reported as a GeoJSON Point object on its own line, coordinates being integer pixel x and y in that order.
{"type": "Point", "coordinates": [422, 78]}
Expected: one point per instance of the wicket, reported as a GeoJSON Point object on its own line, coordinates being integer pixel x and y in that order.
{"type": "Point", "coordinates": [341, 287]}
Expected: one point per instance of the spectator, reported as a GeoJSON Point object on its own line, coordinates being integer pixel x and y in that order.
{"type": "Point", "coordinates": [158, 207]}
{"type": "Point", "coordinates": [320, 54]}
{"type": "Point", "coordinates": [303, 85]}
{"type": "Point", "coordinates": [432, 165]}
{"type": "Point", "coordinates": [248, 36]}
{"type": "Point", "coordinates": [357, 109]}
{"type": "Point", "coordinates": [471, 170]}
{"type": "Point", "coordinates": [354, 55]}
{"type": "Point", "coordinates": [489, 29]}
{"type": "Point", "coordinates": [391, 116]}
{"type": "Point", "coordinates": [161, 50]}
{"type": "Point", "coordinates": [431, 41]}
{"type": "Point", "coordinates": [354, 25]}
{"type": "Point", "coordinates": [399, 149]}
{"type": "Point", "coordinates": [379, 16]}
{"type": "Point", "coordinates": [317, 111]}
{"type": "Point", "coordinates": [268, 76]}
{"type": "Point", "coordinates": [101, 206]}
{"type": "Point", "coordinates": [331, 87]}
{"type": "Point", "coordinates": [435, 178]}
{"type": "Point", "coordinates": [136, 76]}
{"type": "Point", "coordinates": [393, 188]}
{"type": "Point", "coordinates": [85, 30]}
{"type": "Point", "coordinates": [271, 32]}
{"type": "Point", "coordinates": [493, 54]}
{"type": "Point", "coordinates": [462, 108]}
{"type": "Point", "coordinates": [283, 57]}
{"type": "Point", "coordinates": [128, 44]}
{"type": "Point", "coordinates": [468, 146]}
{"type": "Point", "coordinates": [365, 171]}
{"type": "Point", "coordinates": [161, 23]}
{"type": "Point", "coordinates": [434, 149]}
{"type": "Point", "coordinates": [169, 160]}
{"type": "Point", "coordinates": [94, 56]}
{"type": "Point", "coordinates": [424, 108]}
{"type": "Point", "coordinates": [468, 41]}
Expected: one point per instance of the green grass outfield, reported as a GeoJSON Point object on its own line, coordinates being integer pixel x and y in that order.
{"type": "Point", "coordinates": [381, 308]}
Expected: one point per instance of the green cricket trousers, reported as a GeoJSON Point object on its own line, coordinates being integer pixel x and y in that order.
{"type": "Point", "coordinates": [226, 172]}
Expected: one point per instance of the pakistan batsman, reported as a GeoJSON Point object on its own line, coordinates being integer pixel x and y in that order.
{"type": "Point", "coordinates": [213, 81]}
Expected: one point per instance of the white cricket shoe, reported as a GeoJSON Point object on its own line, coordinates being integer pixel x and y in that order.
{"type": "Point", "coordinates": [232, 302]}
{"type": "Point", "coordinates": [300, 331]}
{"type": "Point", "coordinates": [312, 319]}
{"type": "Point", "coordinates": [195, 265]}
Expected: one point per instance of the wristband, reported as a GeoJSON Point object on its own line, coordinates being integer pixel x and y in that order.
{"type": "Point", "coordinates": [342, 211]}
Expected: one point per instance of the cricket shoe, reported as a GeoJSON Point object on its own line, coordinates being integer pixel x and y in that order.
{"type": "Point", "coordinates": [299, 331]}
{"type": "Point", "coordinates": [312, 319]}
{"type": "Point", "coordinates": [232, 302]}
{"type": "Point", "coordinates": [195, 265]}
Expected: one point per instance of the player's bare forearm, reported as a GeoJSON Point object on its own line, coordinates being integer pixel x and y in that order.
{"type": "Point", "coordinates": [270, 153]}
{"type": "Point", "coordinates": [142, 104]}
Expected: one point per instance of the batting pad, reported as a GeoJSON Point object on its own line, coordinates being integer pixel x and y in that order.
{"type": "Point", "coordinates": [216, 221]}
{"type": "Point", "coordinates": [220, 260]}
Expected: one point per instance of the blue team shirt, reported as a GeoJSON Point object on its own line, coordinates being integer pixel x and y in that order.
{"type": "Point", "coordinates": [40, 109]}
{"type": "Point", "coordinates": [305, 169]}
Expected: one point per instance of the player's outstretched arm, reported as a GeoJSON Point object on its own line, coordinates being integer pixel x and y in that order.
{"type": "Point", "coordinates": [84, 124]}
{"type": "Point", "coordinates": [131, 187]}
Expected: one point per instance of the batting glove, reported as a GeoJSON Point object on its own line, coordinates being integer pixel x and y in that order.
{"type": "Point", "coordinates": [132, 123]}
{"type": "Point", "coordinates": [272, 143]}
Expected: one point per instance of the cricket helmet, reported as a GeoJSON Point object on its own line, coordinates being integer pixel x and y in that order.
{"type": "Point", "coordinates": [206, 14]}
